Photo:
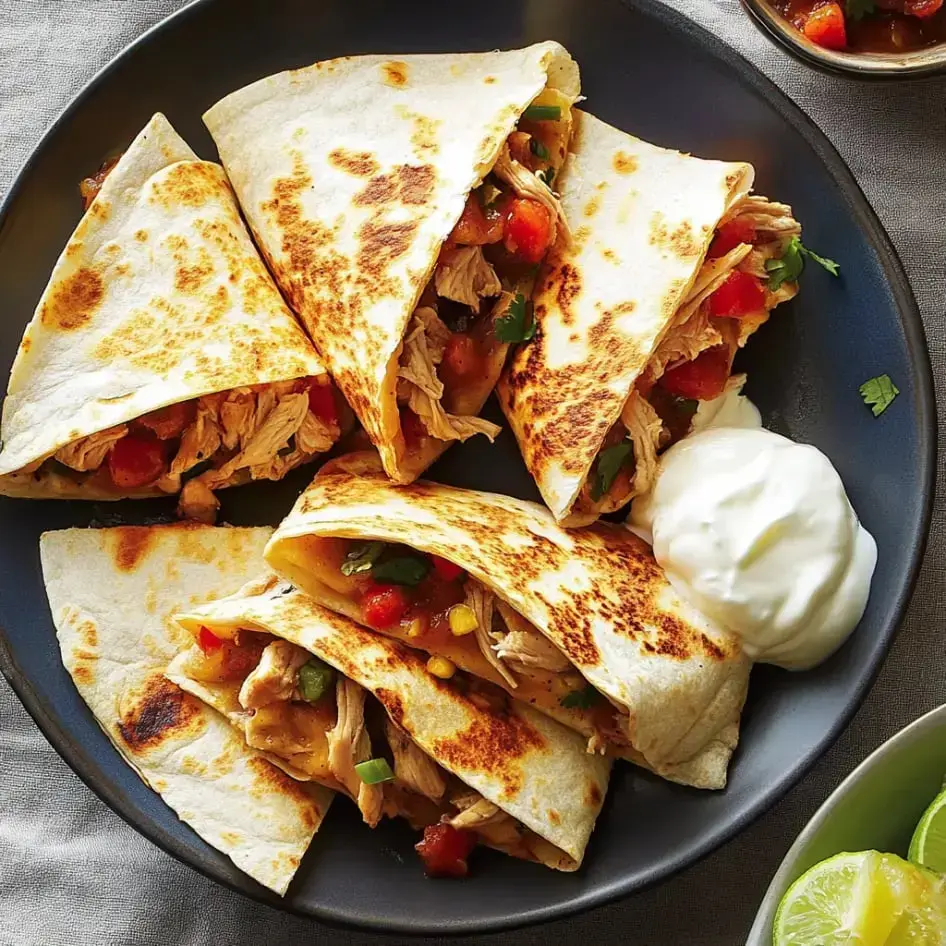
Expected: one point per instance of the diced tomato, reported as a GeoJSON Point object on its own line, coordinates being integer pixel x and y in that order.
{"type": "Point", "coordinates": [476, 226]}
{"type": "Point", "coordinates": [922, 8]}
{"type": "Point", "coordinates": [730, 235]}
{"type": "Point", "coordinates": [383, 605]}
{"type": "Point", "coordinates": [528, 230]}
{"type": "Point", "coordinates": [740, 294]}
{"type": "Point", "coordinates": [444, 850]}
{"type": "Point", "coordinates": [322, 402]}
{"type": "Point", "coordinates": [170, 421]}
{"type": "Point", "coordinates": [136, 461]}
{"type": "Point", "coordinates": [826, 27]}
{"type": "Point", "coordinates": [446, 570]}
{"type": "Point", "coordinates": [207, 640]}
{"type": "Point", "coordinates": [703, 378]}
{"type": "Point", "coordinates": [412, 427]}
{"type": "Point", "coordinates": [460, 357]}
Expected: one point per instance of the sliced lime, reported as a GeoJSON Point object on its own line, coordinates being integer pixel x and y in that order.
{"type": "Point", "coordinates": [928, 847]}
{"type": "Point", "coordinates": [855, 898]}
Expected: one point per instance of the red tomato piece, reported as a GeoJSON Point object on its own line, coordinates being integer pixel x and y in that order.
{"type": "Point", "coordinates": [446, 570]}
{"type": "Point", "coordinates": [528, 229]}
{"type": "Point", "coordinates": [730, 235]}
{"type": "Point", "coordinates": [412, 427]}
{"type": "Point", "coordinates": [136, 461]}
{"type": "Point", "coordinates": [322, 402]}
{"type": "Point", "coordinates": [922, 8]}
{"type": "Point", "coordinates": [171, 421]}
{"type": "Point", "coordinates": [476, 226]}
{"type": "Point", "coordinates": [207, 640]}
{"type": "Point", "coordinates": [740, 294]}
{"type": "Point", "coordinates": [444, 850]}
{"type": "Point", "coordinates": [701, 379]}
{"type": "Point", "coordinates": [383, 605]}
{"type": "Point", "coordinates": [460, 357]}
{"type": "Point", "coordinates": [826, 27]}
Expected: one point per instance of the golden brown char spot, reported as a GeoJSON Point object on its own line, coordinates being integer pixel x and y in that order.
{"type": "Point", "coordinates": [489, 80]}
{"type": "Point", "coordinates": [395, 73]}
{"type": "Point", "coordinates": [87, 631]}
{"type": "Point", "coordinates": [160, 710]}
{"type": "Point", "coordinates": [569, 288]}
{"type": "Point", "coordinates": [610, 256]}
{"type": "Point", "coordinates": [392, 703]}
{"type": "Point", "coordinates": [74, 301]}
{"type": "Point", "coordinates": [592, 207]}
{"type": "Point", "coordinates": [141, 236]}
{"type": "Point", "coordinates": [624, 163]}
{"type": "Point", "coordinates": [554, 817]}
{"type": "Point", "coordinates": [188, 184]}
{"type": "Point", "coordinates": [192, 273]}
{"type": "Point", "coordinates": [129, 545]}
{"type": "Point", "coordinates": [359, 163]}
{"type": "Point", "coordinates": [270, 778]}
{"type": "Point", "coordinates": [593, 795]}
{"type": "Point", "coordinates": [82, 673]}
{"type": "Point", "coordinates": [490, 745]}
{"type": "Point", "coordinates": [407, 184]}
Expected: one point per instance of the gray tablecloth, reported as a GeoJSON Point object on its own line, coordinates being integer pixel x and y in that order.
{"type": "Point", "coordinates": [71, 872]}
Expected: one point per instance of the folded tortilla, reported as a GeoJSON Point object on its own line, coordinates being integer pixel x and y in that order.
{"type": "Point", "coordinates": [160, 299]}
{"type": "Point", "coordinates": [354, 174]}
{"type": "Point", "coordinates": [112, 593]}
{"type": "Point", "coordinates": [625, 302]}
{"type": "Point", "coordinates": [461, 752]}
{"type": "Point", "coordinates": [554, 611]}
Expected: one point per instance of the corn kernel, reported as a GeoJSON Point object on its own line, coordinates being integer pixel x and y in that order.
{"type": "Point", "coordinates": [462, 620]}
{"type": "Point", "coordinates": [416, 627]}
{"type": "Point", "coordinates": [441, 667]}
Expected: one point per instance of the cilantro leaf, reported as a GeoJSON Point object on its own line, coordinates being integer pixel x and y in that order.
{"type": "Point", "coordinates": [538, 149]}
{"type": "Point", "coordinates": [516, 325]}
{"type": "Point", "coordinates": [361, 557]}
{"type": "Point", "coordinates": [858, 9]}
{"type": "Point", "coordinates": [788, 267]}
{"type": "Point", "coordinates": [405, 570]}
{"type": "Point", "coordinates": [584, 698]}
{"type": "Point", "coordinates": [878, 393]}
{"type": "Point", "coordinates": [610, 462]}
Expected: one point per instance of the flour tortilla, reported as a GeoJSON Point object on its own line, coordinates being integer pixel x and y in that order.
{"type": "Point", "coordinates": [112, 593]}
{"type": "Point", "coordinates": [352, 173]}
{"type": "Point", "coordinates": [644, 219]}
{"type": "Point", "coordinates": [521, 761]}
{"type": "Point", "coordinates": [596, 593]}
{"type": "Point", "coordinates": [158, 297]}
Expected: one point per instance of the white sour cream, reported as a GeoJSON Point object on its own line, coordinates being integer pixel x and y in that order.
{"type": "Point", "coordinates": [758, 533]}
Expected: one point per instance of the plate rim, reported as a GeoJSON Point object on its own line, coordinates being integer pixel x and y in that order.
{"type": "Point", "coordinates": [924, 408]}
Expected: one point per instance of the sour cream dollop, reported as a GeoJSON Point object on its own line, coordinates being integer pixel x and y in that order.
{"type": "Point", "coordinates": [758, 533]}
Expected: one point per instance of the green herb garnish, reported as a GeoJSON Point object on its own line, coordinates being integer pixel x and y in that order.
{"type": "Point", "coordinates": [858, 9]}
{"type": "Point", "coordinates": [315, 678]}
{"type": "Point", "coordinates": [539, 149]}
{"type": "Point", "coordinates": [489, 194]}
{"type": "Point", "coordinates": [584, 698]}
{"type": "Point", "coordinates": [878, 393]}
{"type": "Point", "coordinates": [542, 113]}
{"type": "Point", "coordinates": [374, 771]}
{"type": "Point", "coordinates": [361, 557]}
{"type": "Point", "coordinates": [788, 267]}
{"type": "Point", "coordinates": [405, 570]}
{"type": "Point", "coordinates": [610, 462]}
{"type": "Point", "coordinates": [517, 325]}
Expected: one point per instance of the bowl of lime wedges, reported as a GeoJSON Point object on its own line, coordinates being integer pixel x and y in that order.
{"type": "Point", "coordinates": [870, 868]}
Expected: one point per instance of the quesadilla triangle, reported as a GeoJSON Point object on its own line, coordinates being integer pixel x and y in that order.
{"type": "Point", "coordinates": [407, 239]}
{"type": "Point", "coordinates": [161, 358]}
{"type": "Point", "coordinates": [583, 625]}
{"type": "Point", "coordinates": [112, 593]}
{"type": "Point", "coordinates": [674, 266]}
{"type": "Point", "coordinates": [371, 718]}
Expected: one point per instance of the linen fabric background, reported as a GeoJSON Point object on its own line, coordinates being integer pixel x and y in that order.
{"type": "Point", "coordinates": [72, 872]}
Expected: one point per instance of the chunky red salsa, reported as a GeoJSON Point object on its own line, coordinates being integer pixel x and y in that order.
{"type": "Point", "coordinates": [861, 26]}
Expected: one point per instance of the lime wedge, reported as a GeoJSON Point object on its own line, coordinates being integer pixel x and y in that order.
{"type": "Point", "coordinates": [922, 927]}
{"type": "Point", "coordinates": [859, 899]}
{"type": "Point", "coordinates": [928, 847]}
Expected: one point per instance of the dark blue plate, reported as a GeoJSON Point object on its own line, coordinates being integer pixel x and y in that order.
{"type": "Point", "coordinates": [650, 71]}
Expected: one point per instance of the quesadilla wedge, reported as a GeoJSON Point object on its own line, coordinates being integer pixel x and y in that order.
{"type": "Point", "coordinates": [638, 318]}
{"type": "Point", "coordinates": [403, 204]}
{"type": "Point", "coordinates": [112, 593]}
{"type": "Point", "coordinates": [161, 357]}
{"type": "Point", "coordinates": [369, 717]}
{"type": "Point", "coordinates": [583, 625]}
